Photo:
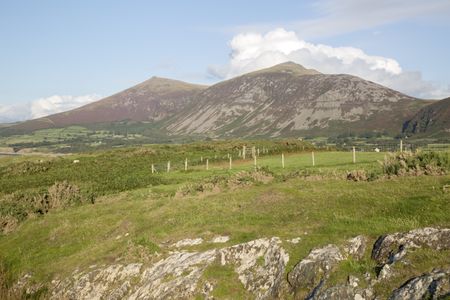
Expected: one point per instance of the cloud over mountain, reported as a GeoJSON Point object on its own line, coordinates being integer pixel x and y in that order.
{"type": "Point", "coordinates": [43, 107]}
{"type": "Point", "coordinates": [253, 51]}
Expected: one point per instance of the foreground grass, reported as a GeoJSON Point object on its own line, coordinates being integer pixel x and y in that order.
{"type": "Point", "coordinates": [320, 212]}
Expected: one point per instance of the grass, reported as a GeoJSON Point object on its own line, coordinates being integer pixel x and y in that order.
{"type": "Point", "coordinates": [320, 212]}
{"type": "Point", "coordinates": [136, 214]}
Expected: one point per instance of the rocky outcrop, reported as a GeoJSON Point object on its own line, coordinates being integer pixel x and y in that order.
{"type": "Point", "coordinates": [434, 285]}
{"type": "Point", "coordinates": [311, 271]}
{"type": "Point", "coordinates": [356, 247]}
{"type": "Point", "coordinates": [392, 247]}
{"type": "Point", "coordinates": [260, 268]}
{"type": "Point", "coordinates": [344, 292]}
{"type": "Point", "coordinates": [259, 264]}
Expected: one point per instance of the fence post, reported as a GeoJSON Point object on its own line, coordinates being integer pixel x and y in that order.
{"type": "Point", "coordinates": [243, 152]}
{"type": "Point", "coordinates": [230, 162]}
{"type": "Point", "coordinates": [168, 166]}
{"type": "Point", "coordinates": [257, 151]}
{"type": "Point", "coordinates": [153, 168]}
{"type": "Point", "coordinates": [313, 160]}
{"type": "Point", "coordinates": [207, 164]}
{"type": "Point", "coordinates": [254, 161]}
{"type": "Point", "coordinates": [201, 158]}
{"type": "Point", "coordinates": [354, 155]}
{"type": "Point", "coordinates": [401, 145]}
{"type": "Point", "coordinates": [282, 160]}
{"type": "Point", "coordinates": [185, 164]}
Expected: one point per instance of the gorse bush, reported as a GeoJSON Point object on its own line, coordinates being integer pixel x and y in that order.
{"type": "Point", "coordinates": [422, 163]}
{"type": "Point", "coordinates": [18, 206]}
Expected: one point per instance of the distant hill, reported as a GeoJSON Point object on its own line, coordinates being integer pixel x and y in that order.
{"type": "Point", "coordinates": [151, 100]}
{"type": "Point", "coordinates": [431, 119]}
{"type": "Point", "coordinates": [282, 101]}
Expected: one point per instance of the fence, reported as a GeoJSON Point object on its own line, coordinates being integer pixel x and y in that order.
{"type": "Point", "coordinates": [252, 155]}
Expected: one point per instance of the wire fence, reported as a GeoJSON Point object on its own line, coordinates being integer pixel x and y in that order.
{"type": "Point", "coordinates": [237, 156]}
{"type": "Point", "coordinates": [394, 147]}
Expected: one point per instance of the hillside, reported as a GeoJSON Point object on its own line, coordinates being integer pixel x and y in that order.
{"type": "Point", "coordinates": [151, 100]}
{"type": "Point", "coordinates": [107, 227]}
{"type": "Point", "coordinates": [432, 119]}
{"type": "Point", "coordinates": [286, 100]}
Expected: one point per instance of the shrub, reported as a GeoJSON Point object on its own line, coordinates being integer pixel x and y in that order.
{"type": "Point", "coordinates": [407, 163]}
{"type": "Point", "coordinates": [357, 175]}
{"type": "Point", "coordinates": [18, 206]}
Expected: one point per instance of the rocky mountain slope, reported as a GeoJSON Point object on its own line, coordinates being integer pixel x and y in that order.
{"type": "Point", "coordinates": [284, 100]}
{"type": "Point", "coordinates": [433, 118]}
{"type": "Point", "coordinates": [288, 99]}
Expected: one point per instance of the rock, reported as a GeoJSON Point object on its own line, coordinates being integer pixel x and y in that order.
{"type": "Point", "coordinates": [356, 247]}
{"type": "Point", "coordinates": [112, 280]}
{"type": "Point", "coordinates": [259, 264]}
{"type": "Point", "coordinates": [175, 276]}
{"type": "Point", "coordinates": [343, 292]}
{"type": "Point", "coordinates": [389, 248]}
{"type": "Point", "coordinates": [385, 272]}
{"type": "Point", "coordinates": [263, 280]}
{"type": "Point", "coordinates": [294, 240]}
{"type": "Point", "coordinates": [220, 239]}
{"type": "Point", "coordinates": [188, 242]}
{"type": "Point", "coordinates": [353, 281]}
{"type": "Point", "coordinates": [434, 285]}
{"type": "Point", "coordinates": [312, 270]}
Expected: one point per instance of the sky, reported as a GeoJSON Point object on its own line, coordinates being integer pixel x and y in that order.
{"type": "Point", "coordinates": [57, 55]}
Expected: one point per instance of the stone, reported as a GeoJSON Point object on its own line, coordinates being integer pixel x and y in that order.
{"type": "Point", "coordinates": [385, 272]}
{"type": "Point", "coordinates": [434, 285]}
{"type": "Point", "coordinates": [259, 265]}
{"type": "Point", "coordinates": [187, 243]}
{"type": "Point", "coordinates": [294, 240]}
{"type": "Point", "coordinates": [389, 248]}
{"type": "Point", "coordinates": [343, 292]}
{"type": "Point", "coordinates": [353, 281]}
{"type": "Point", "coordinates": [356, 247]}
{"type": "Point", "coordinates": [313, 269]}
{"type": "Point", "coordinates": [220, 239]}
{"type": "Point", "coordinates": [264, 279]}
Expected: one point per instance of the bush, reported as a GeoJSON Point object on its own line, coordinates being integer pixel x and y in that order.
{"type": "Point", "coordinates": [407, 163]}
{"type": "Point", "coordinates": [18, 206]}
{"type": "Point", "coordinates": [357, 175]}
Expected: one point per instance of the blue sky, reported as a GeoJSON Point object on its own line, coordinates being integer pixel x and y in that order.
{"type": "Point", "coordinates": [56, 55]}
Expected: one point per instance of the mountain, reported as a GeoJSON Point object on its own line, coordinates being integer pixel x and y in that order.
{"type": "Point", "coordinates": [287, 100]}
{"type": "Point", "coordinates": [151, 100]}
{"type": "Point", "coordinates": [432, 119]}
{"type": "Point", "coordinates": [284, 100]}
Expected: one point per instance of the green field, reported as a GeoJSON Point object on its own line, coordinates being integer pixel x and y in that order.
{"type": "Point", "coordinates": [134, 207]}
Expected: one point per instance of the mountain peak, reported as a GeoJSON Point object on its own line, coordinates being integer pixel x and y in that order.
{"type": "Point", "coordinates": [288, 67]}
{"type": "Point", "coordinates": [161, 84]}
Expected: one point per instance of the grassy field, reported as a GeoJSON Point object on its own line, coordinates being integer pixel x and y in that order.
{"type": "Point", "coordinates": [135, 208]}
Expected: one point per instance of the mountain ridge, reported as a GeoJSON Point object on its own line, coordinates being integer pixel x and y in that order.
{"type": "Point", "coordinates": [283, 100]}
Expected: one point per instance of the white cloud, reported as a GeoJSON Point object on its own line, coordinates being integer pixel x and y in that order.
{"type": "Point", "coordinates": [254, 51]}
{"type": "Point", "coordinates": [43, 107]}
